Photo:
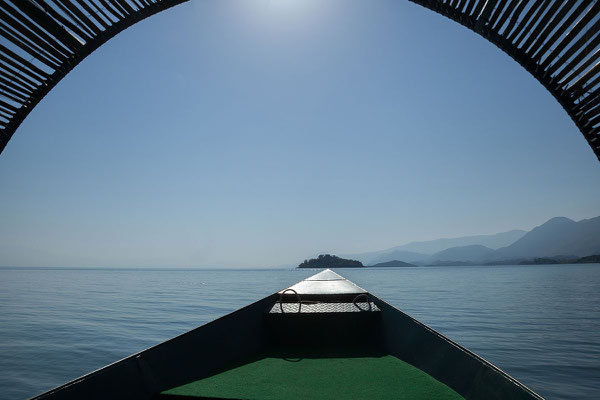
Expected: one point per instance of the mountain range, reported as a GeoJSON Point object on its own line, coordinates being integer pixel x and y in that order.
{"type": "Point", "coordinates": [422, 251]}
{"type": "Point", "coordinates": [558, 237]}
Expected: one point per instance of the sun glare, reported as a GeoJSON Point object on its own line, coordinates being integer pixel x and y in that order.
{"type": "Point", "coordinates": [287, 5]}
{"type": "Point", "coordinates": [287, 9]}
{"type": "Point", "coordinates": [280, 17]}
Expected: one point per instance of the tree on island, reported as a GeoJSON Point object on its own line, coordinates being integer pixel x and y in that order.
{"type": "Point", "coordinates": [329, 261]}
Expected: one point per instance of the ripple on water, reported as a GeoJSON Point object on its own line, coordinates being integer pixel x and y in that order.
{"type": "Point", "coordinates": [540, 324]}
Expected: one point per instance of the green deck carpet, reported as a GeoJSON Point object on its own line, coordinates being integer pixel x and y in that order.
{"type": "Point", "coordinates": [362, 377]}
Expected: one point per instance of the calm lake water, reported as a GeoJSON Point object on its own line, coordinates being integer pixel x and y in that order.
{"type": "Point", "coordinates": [541, 324]}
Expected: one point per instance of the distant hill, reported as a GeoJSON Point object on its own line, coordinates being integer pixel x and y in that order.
{"type": "Point", "coordinates": [394, 263]}
{"type": "Point", "coordinates": [494, 241]}
{"type": "Point", "coordinates": [559, 236]}
{"type": "Point", "coordinates": [474, 253]}
{"type": "Point", "coordinates": [376, 257]}
{"type": "Point", "coordinates": [594, 259]}
{"type": "Point", "coordinates": [329, 261]}
{"type": "Point", "coordinates": [420, 252]}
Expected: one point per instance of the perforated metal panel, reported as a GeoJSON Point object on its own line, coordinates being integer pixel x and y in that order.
{"type": "Point", "coordinates": [324, 308]}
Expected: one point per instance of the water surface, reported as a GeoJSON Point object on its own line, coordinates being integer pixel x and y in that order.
{"type": "Point", "coordinates": [541, 324]}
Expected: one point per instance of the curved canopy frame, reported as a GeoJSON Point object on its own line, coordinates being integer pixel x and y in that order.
{"type": "Point", "coordinates": [43, 40]}
{"type": "Point", "coordinates": [557, 41]}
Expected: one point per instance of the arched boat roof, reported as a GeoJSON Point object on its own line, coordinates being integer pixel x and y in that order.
{"type": "Point", "coordinates": [558, 42]}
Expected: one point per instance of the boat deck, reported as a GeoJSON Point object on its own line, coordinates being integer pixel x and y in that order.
{"type": "Point", "coordinates": [346, 374]}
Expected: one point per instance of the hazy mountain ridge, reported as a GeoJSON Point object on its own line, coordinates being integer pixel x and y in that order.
{"type": "Point", "coordinates": [421, 252]}
{"type": "Point", "coordinates": [557, 237]}
{"type": "Point", "coordinates": [493, 241]}
{"type": "Point", "coordinates": [474, 252]}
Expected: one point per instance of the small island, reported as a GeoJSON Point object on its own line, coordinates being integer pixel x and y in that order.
{"type": "Point", "coordinates": [394, 263]}
{"type": "Point", "coordinates": [329, 261]}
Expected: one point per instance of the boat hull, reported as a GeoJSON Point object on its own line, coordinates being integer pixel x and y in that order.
{"type": "Point", "coordinates": [321, 327]}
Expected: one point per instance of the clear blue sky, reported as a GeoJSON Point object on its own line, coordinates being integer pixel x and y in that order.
{"type": "Point", "coordinates": [258, 133]}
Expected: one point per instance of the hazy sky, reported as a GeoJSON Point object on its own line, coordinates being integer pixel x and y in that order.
{"type": "Point", "coordinates": [258, 133]}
